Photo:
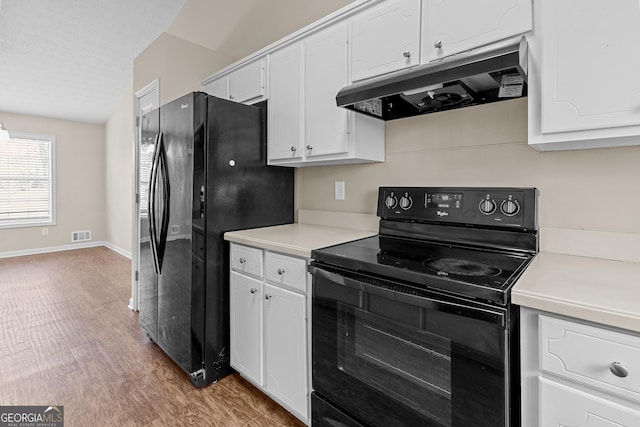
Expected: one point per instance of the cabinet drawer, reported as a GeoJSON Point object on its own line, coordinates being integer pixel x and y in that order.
{"type": "Point", "coordinates": [599, 358]}
{"type": "Point", "coordinates": [565, 406]}
{"type": "Point", "coordinates": [287, 271]}
{"type": "Point", "coordinates": [246, 260]}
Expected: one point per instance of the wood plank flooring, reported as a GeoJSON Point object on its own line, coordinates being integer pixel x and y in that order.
{"type": "Point", "coordinates": [68, 338]}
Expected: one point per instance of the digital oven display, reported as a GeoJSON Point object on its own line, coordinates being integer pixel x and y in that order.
{"type": "Point", "coordinates": [443, 200]}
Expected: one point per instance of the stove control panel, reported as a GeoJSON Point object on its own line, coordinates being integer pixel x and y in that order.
{"type": "Point", "coordinates": [499, 206]}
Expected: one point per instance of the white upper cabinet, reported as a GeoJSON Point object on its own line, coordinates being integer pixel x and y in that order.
{"type": "Point", "coordinates": [246, 83]}
{"type": "Point", "coordinates": [385, 38]}
{"type": "Point", "coordinates": [453, 26]}
{"type": "Point", "coordinates": [326, 73]}
{"type": "Point", "coordinates": [218, 88]}
{"type": "Point", "coordinates": [285, 112]}
{"type": "Point", "coordinates": [306, 127]}
{"type": "Point", "coordinates": [584, 90]}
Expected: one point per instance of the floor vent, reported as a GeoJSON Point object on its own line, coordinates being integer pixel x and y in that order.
{"type": "Point", "coordinates": [81, 236]}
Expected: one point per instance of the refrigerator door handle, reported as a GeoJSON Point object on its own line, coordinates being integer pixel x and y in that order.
{"type": "Point", "coordinates": [166, 200]}
{"type": "Point", "coordinates": [152, 204]}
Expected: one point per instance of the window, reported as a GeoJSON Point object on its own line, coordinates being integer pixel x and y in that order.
{"type": "Point", "coordinates": [27, 180]}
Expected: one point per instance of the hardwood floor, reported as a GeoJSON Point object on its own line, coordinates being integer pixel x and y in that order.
{"type": "Point", "coordinates": [68, 338]}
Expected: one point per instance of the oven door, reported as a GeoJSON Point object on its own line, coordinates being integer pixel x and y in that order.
{"type": "Point", "coordinates": [386, 355]}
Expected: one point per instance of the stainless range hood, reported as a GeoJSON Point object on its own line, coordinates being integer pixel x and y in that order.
{"type": "Point", "coordinates": [480, 76]}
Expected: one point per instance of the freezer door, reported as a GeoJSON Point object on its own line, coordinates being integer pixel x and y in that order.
{"type": "Point", "coordinates": [148, 278]}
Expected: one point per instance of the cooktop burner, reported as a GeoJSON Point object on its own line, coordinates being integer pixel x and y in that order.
{"type": "Point", "coordinates": [461, 267]}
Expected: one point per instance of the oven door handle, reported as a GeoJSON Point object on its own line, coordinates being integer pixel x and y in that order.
{"type": "Point", "coordinates": [402, 293]}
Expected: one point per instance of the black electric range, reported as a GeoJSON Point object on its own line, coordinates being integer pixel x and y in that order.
{"type": "Point", "coordinates": [415, 326]}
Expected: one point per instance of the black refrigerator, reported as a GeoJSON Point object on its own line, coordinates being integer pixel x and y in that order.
{"type": "Point", "coordinates": [202, 168]}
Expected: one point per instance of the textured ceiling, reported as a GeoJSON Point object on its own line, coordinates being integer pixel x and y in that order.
{"type": "Point", "coordinates": [73, 59]}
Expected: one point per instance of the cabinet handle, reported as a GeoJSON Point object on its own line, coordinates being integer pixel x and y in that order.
{"type": "Point", "coordinates": [618, 370]}
{"type": "Point", "coordinates": [281, 271]}
{"type": "Point", "coordinates": [253, 290]}
{"type": "Point", "coordinates": [437, 44]}
{"type": "Point", "coordinates": [293, 149]}
{"type": "Point", "coordinates": [407, 54]}
{"type": "Point", "coordinates": [243, 260]}
{"type": "Point", "coordinates": [309, 147]}
{"type": "Point", "coordinates": [267, 296]}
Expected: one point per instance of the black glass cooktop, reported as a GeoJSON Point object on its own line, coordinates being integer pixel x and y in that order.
{"type": "Point", "coordinates": [464, 271]}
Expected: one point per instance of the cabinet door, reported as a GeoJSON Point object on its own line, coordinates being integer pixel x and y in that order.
{"type": "Point", "coordinates": [326, 73]}
{"type": "Point", "coordinates": [247, 84]}
{"type": "Point", "coordinates": [565, 406]}
{"type": "Point", "coordinates": [590, 65]}
{"type": "Point", "coordinates": [218, 88]}
{"type": "Point", "coordinates": [385, 39]}
{"type": "Point", "coordinates": [246, 326]}
{"type": "Point", "coordinates": [286, 347]}
{"type": "Point", "coordinates": [285, 110]}
{"type": "Point", "coordinates": [453, 26]}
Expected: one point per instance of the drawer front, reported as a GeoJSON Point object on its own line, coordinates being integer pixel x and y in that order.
{"type": "Point", "coordinates": [247, 260]}
{"type": "Point", "coordinates": [286, 271]}
{"type": "Point", "coordinates": [599, 358]}
{"type": "Point", "coordinates": [565, 406]}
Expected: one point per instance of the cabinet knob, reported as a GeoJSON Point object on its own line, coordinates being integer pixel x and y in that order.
{"type": "Point", "coordinates": [281, 271]}
{"type": "Point", "coordinates": [437, 44]}
{"type": "Point", "coordinates": [293, 149]}
{"type": "Point", "coordinates": [267, 296]}
{"type": "Point", "coordinates": [253, 290]}
{"type": "Point", "coordinates": [618, 370]}
{"type": "Point", "coordinates": [309, 147]}
{"type": "Point", "coordinates": [406, 53]}
{"type": "Point", "coordinates": [243, 260]}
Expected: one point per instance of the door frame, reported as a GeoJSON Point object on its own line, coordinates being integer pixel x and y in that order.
{"type": "Point", "coordinates": [152, 88]}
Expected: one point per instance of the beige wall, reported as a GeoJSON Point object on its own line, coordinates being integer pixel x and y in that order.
{"type": "Point", "coordinates": [486, 146]}
{"type": "Point", "coordinates": [178, 64]}
{"type": "Point", "coordinates": [242, 27]}
{"type": "Point", "coordinates": [119, 136]}
{"type": "Point", "coordinates": [80, 183]}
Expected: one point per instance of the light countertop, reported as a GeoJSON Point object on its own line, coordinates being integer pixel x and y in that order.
{"type": "Point", "coordinates": [592, 289]}
{"type": "Point", "coordinates": [295, 239]}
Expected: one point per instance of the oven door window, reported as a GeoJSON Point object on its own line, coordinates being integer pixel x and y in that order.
{"type": "Point", "coordinates": [406, 361]}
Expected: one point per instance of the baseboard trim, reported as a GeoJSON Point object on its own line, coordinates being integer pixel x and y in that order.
{"type": "Point", "coordinates": [117, 249]}
{"type": "Point", "coordinates": [61, 248]}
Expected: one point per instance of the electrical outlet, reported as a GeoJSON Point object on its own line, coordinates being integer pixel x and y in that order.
{"type": "Point", "coordinates": [339, 190]}
{"type": "Point", "coordinates": [45, 231]}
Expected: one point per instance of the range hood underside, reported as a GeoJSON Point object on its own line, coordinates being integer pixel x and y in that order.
{"type": "Point", "coordinates": [474, 78]}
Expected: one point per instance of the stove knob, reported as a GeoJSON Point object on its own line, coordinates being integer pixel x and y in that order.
{"type": "Point", "coordinates": [487, 206]}
{"type": "Point", "coordinates": [510, 207]}
{"type": "Point", "coordinates": [406, 202]}
{"type": "Point", "coordinates": [391, 202]}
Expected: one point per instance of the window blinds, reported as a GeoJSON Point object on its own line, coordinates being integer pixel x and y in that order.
{"type": "Point", "coordinates": [26, 181]}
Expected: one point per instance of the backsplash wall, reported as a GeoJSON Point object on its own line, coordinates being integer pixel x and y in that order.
{"type": "Point", "coordinates": [487, 146]}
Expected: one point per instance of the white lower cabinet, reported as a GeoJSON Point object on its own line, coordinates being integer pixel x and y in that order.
{"type": "Point", "coordinates": [575, 373]}
{"type": "Point", "coordinates": [269, 326]}
{"type": "Point", "coordinates": [561, 405]}
{"type": "Point", "coordinates": [286, 347]}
